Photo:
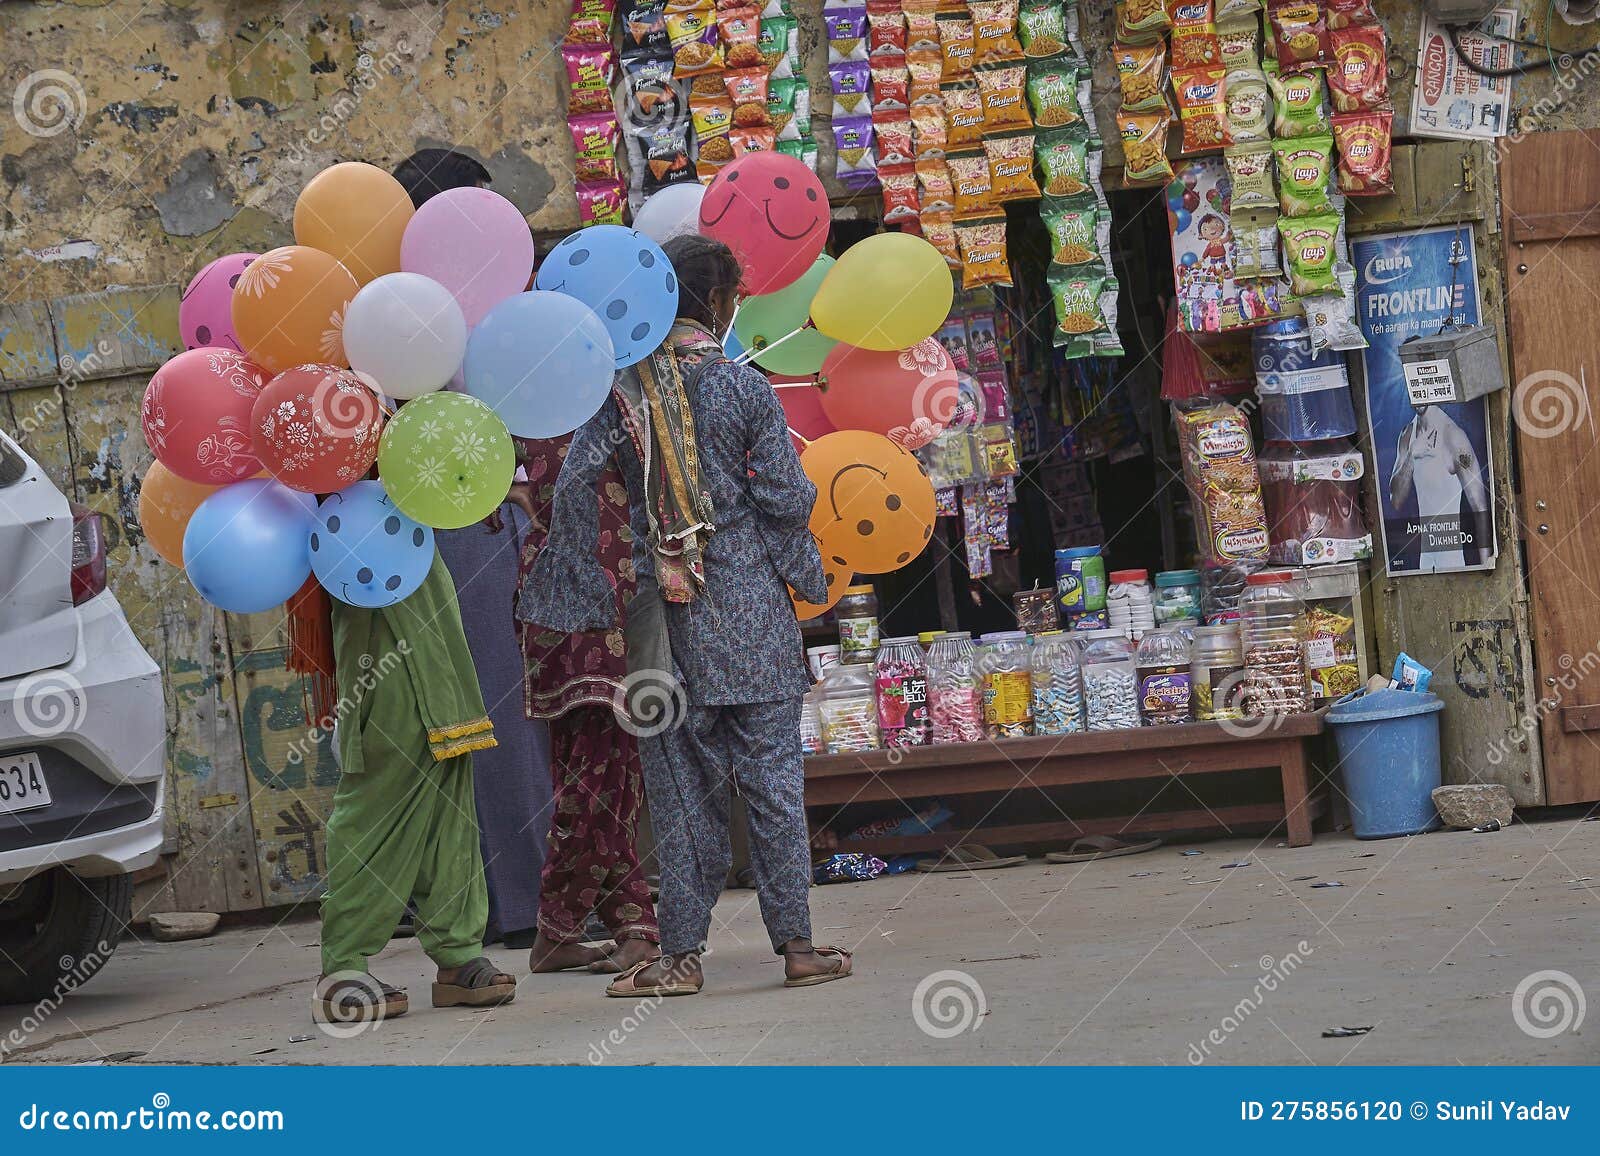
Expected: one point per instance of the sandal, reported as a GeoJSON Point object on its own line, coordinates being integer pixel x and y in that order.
{"type": "Point", "coordinates": [969, 857]}
{"type": "Point", "coordinates": [349, 1001]}
{"type": "Point", "coordinates": [1092, 847]}
{"type": "Point", "coordinates": [844, 969]}
{"type": "Point", "coordinates": [478, 984]}
{"type": "Point", "coordinates": [627, 985]}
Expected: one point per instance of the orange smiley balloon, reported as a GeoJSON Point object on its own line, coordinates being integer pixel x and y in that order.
{"type": "Point", "coordinates": [838, 576]}
{"type": "Point", "coordinates": [875, 505]}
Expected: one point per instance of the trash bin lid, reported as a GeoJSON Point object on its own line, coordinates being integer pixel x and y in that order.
{"type": "Point", "coordinates": [1372, 706]}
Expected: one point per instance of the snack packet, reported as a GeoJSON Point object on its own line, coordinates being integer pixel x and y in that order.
{"type": "Point", "coordinates": [886, 32]}
{"type": "Point", "coordinates": [928, 128]}
{"type": "Point", "coordinates": [939, 230]}
{"type": "Point", "coordinates": [747, 90]}
{"type": "Point", "coordinates": [1239, 43]}
{"type": "Point", "coordinates": [780, 107]}
{"type": "Point", "coordinates": [1298, 105]}
{"type": "Point", "coordinates": [899, 183]}
{"type": "Point", "coordinates": [1201, 110]}
{"type": "Point", "coordinates": [1106, 342]}
{"type": "Point", "coordinates": [1064, 164]}
{"type": "Point", "coordinates": [1004, 105]}
{"type": "Point", "coordinates": [1053, 94]}
{"type": "Point", "coordinates": [963, 116]}
{"type": "Point", "coordinates": [1010, 160]}
{"type": "Point", "coordinates": [857, 167]}
{"type": "Point", "coordinates": [1305, 170]}
{"type": "Point", "coordinates": [650, 95]}
{"type": "Point", "coordinates": [590, 22]}
{"type": "Point", "coordinates": [741, 38]}
{"type": "Point", "coordinates": [601, 203]}
{"type": "Point", "coordinates": [957, 47]}
{"type": "Point", "coordinates": [1144, 146]}
{"type": "Point", "coordinates": [891, 85]}
{"type": "Point", "coordinates": [1344, 13]}
{"type": "Point", "coordinates": [982, 242]}
{"type": "Point", "coordinates": [1073, 235]}
{"type": "Point", "coordinates": [662, 153]}
{"type": "Point", "coordinates": [1194, 34]}
{"type": "Point", "coordinates": [1140, 21]}
{"type": "Point", "coordinates": [1299, 33]}
{"type": "Point", "coordinates": [994, 31]}
{"type": "Point", "coordinates": [1365, 152]}
{"type": "Point", "coordinates": [695, 46]}
{"type": "Point", "coordinates": [1359, 77]}
{"type": "Point", "coordinates": [851, 81]}
{"type": "Point", "coordinates": [1309, 250]}
{"type": "Point", "coordinates": [644, 30]}
{"type": "Point", "coordinates": [589, 70]}
{"type": "Point", "coordinates": [894, 139]}
{"type": "Point", "coordinates": [777, 42]}
{"type": "Point", "coordinates": [1042, 28]}
{"type": "Point", "coordinates": [1076, 298]}
{"type": "Point", "coordinates": [1247, 102]}
{"type": "Point", "coordinates": [1331, 316]}
{"type": "Point", "coordinates": [1141, 72]}
{"type": "Point", "coordinates": [595, 137]}
{"type": "Point", "coordinates": [1255, 243]}
{"type": "Point", "coordinates": [1250, 170]}
{"type": "Point", "coordinates": [969, 175]}
{"type": "Point", "coordinates": [847, 33]}
{"type": "Point", "coordinates": [935, 189]}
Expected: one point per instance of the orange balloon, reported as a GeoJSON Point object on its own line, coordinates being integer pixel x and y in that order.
{"type": "Point", "coordinates": [838, 577]}
{"type": "Point", "coordinates": [357, 212]}
{"type": "Point", "coordinates": [288, 308]}
{"type": "Point", "coordinates": [875, 505]}
{"type": "Point", "coordinates": [166, 503]}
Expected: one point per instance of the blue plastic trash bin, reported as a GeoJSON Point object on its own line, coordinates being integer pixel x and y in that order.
{"type": "Point", "coordinates": [1389, 755]}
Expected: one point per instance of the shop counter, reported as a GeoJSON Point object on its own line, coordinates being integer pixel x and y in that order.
{"type": "Point", "coordinates": [1071, 760]}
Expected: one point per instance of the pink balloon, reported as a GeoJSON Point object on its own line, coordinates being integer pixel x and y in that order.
{"type": "Point", "coordinates": [205, 311]}
{"type": "Point", "coordinates": [475, 243]}
{"type": "Point", "coordinates": [772, 211]}
{"type": "Point", "coordinates": [802, 405]}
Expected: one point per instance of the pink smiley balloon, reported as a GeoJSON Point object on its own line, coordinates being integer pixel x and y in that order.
{"type": "Point", "coordinates": [771, 210]}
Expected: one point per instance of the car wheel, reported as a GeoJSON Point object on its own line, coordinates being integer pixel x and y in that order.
{"type": "Point", "coordinates": [57, 930]}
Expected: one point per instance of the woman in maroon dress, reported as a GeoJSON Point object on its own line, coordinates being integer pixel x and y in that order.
{"type": "Point", "coordinates": [572, 682]}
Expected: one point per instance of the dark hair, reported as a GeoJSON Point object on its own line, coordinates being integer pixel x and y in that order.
{"type": "Point", "coordinates": [703, 266]}
{"type": "Point", "coordinates": [428, 172]}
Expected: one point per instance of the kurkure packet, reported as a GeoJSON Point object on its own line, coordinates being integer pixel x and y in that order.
{"type": "Point", "coordinates": [1310, 251]}
{"type": "Point", "coordinates": [1305, 168]}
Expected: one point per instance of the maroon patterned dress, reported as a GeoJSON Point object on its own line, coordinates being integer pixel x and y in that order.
{"type": "Point", "coordinates": [571, 681]}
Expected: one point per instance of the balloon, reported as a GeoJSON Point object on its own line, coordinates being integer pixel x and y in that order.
{"type": "Point", "coordinates": [288, 308]}
{"type": "Point", "coordinates": [196, 415]}
{"type": "Point", "coordinates": [473, 242]}
{"type": "Point", "coordinates": [1190, 200]}
{"type": "Point", "coordinates": [802, 406]}
{"type": "Point", "coordinates": [205, 311]}
{"type": "Point", "coordinates": [763, 320]}
{"type": "Point", "coordinates": [888, 291]}
{"type": "Point", "coordinates": [316, 427]}
{"type": "Point", "coordinates": [446, 460]}
{"type": "Point", "coordinates": [771, 210]}
{"type": "Point", "coordinates": [732, 347]}
{"type": "Point", "coordinates": [674, 210]}
{"type": "Point", "coordinates": [247, 548]}
{"type": "Point", "coordinates": [356, 212]}
{"type": "Point", "coordinates": [839, 577]}
{"type": "Point", "coordinates": [166, 503]}
{"type": "Point", "coordinates": [542, 361]}
{"type": "Point", "coordinates": [625, 278]}
{"type": "Point", "coordinates": [875, 506]}
{"type": "Point", "coordinates": [1180, 220]}
{"type": "Point", "coordinates": [908, 396]}
{"type": "Point", "coordinates": [365, 552]}
{"type": "Point", "coordinates": [406, 332]}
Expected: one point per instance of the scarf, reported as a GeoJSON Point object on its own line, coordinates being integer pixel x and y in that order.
{"type": "Point", "coordinates": [654, 399]}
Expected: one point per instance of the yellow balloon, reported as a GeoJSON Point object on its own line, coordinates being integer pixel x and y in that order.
{"type": "Point", "coordinates": [887, 292]}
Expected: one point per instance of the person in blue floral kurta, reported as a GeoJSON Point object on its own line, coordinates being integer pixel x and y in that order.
{"type": "Point", "coordinates": [719, 507]}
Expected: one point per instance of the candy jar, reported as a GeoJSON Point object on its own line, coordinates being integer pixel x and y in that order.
{"type": "Point", "coordinates": [902, 686]}
{"type": "Point", "coordinates": [1057, 685]}
{"type": "Point", "coordinates": [849, 709]}
{"type": "Point", "coordinates": [1163, 661]}
{"type": "Point", "coordinates": [857, 613]}
{"type": "Point", "coordinates": [955, 694]}
{"type": "Point", "coordinates": [811, 740]}
{"type": "Point", "coordinates": [1110, 680]}
{"type": "Point", "coordinates": [1130, 603]}
{"type": "Point", "coordinates": [1273, 632]}
{"type": "Point", "coordinates": [1215, 661]}
{"type": "Point", "coordinates": [1007, 685]}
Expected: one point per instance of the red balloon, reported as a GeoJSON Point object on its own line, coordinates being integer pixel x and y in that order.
{"type": "Point", "coordinates": [771, 210]}
{"type": "Point", "coordinates": [196, 415]}
{"type": "Point", "coordinates": [802, 406]}
{"type": "Point", "coordinates": [909, 395]}
{"type": "Point", "coordinates": [316, 428]}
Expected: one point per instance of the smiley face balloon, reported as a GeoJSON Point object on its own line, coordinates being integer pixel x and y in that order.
{"type": "Point", "coordinates": [771, 210]}
{"type": "Point", "coordinates": [838, 576]}
{"type": "Point", "coordinates": [364, 551]}
{"type": "Point", "coordinates": [624, 277]}
{"type": "Point", "coordinates": [875, 505]}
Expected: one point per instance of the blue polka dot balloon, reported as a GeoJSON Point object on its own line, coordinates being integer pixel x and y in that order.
{"type": "Point", "coordinates": [624, 277]}
{"type": "Point", "coordinates": [364, 551]}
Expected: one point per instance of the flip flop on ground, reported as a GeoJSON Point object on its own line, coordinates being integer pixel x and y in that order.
{"type": "Point", "coordinates": [1092, 847]}
{"type": "Point", "coordinates": [969, 857]}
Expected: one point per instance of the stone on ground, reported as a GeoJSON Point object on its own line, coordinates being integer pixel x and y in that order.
{"type": "Point", "coordinates": [1473, 805]}
{"type": "Point", "coordinates": [171, 926]}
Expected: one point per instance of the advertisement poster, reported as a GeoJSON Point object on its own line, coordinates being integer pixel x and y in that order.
{"type": "Point", "coordinates": [1451, 100]}
{"type": "Point", "coordinates": [1434, 477]}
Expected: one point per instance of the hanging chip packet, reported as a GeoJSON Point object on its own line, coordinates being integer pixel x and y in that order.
{"type": "Point", "coordinates": [984, 260]}
{"type": "Point", "coordinates": [1305, 170]}
{"type": "Point", "coordinates": [1310, 249]}
{"type": "Point", "coordinates": [1366, 149]}
{"type": "Point", "coordinates": [1359, 77]}
{"type": "Point", "coordinates": [1142, 75]}
{"type": "Point", "coordinates": [1299, 108]}
{"type": "Point", "coordinates": [1201, 109]}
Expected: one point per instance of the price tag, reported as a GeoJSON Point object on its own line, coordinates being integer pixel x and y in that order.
{"type": "Point", "coordinates": [1430, 382]}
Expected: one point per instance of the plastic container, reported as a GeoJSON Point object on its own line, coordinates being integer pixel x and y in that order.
{"type": "Point", "coordinates": [1007, 685]}
{"type": "Point", "coordinates": [1304, 395]}
{"type": "Point", "coordinates": [1313, 496]}
{"type": "Point", "coordinates": [849, 709]}
{"type": "Point", "coordinates": [1110, 681]}
{"type": "Point", "coordinates": [901, 674]}
{"type": "Point", "coordinates": [1177, 596]}
{"type": "Point", "coordinates": [1057, 684]}
{"type": "Point", "coordinates": [857, 612]}
{"type": "Point", "coordinates": [1388, 744]}
{"type": "Point", "coordinates": [1036, 611]}
{"type": "Point", "coordinates": [811, 740]}
{"type": "Point", "coordinates": [1216, 672]}
{"type": "Point", "coordinates": [1130, 603]}
{"type": "Point", "coordinates": [1272, 632]}
{"type": "Point", "coordinates": [1220, 588]}
{"type": "Point", "coordinates": [1163, 661]}
{"type": "Point", "coordinates": [1080, 580]}
{"type": "Point", "coordinates": [819, 658]}
{"type": "Point", "coordinates": [925, 639]}
{"type": "Point", "coordinates": [955, 692]}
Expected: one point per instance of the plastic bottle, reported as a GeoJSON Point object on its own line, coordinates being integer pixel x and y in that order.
{"type": "Point", "coordinates": [1057, 684]}
{"type": "Point", "coordinates": [1130, 603]}
{"type": "Point", "coordinates": [1007, 685]}
{"type": "Point", "coordinates": [1163, 661]}
{"type": "Point", "coordinates": [955, 693]}
{"type": "Point", "coordinates": [1110, 681]}
{"type": "Point", "coordinates": [849, 709]}
{"type": "Point", "coordinates": [1216, 663]}
{"type": "Point", "coordinates": [901, 674]}
{"type": "Point", "coordinates": [1273, 632]}
{"type": "Point", "coordinates": [857, 612]}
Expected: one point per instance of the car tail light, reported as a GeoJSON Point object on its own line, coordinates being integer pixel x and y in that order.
{"type": "Point", "coordinates": [88, 554]}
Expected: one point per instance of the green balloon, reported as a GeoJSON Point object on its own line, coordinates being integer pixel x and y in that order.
{"type": "Point", "coordinates": [763, 320]}
{"type": "Point", "coordinates": [446, 460]}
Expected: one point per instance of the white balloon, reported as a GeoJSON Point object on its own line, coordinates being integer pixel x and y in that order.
{"type": "Point", "coordinates": [406, 332]}
{"type": "Point", "coordinates": [674, 210]}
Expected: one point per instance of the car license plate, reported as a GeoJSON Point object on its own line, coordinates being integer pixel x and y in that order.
{"type": "Point", "coordinates": [22, 785]}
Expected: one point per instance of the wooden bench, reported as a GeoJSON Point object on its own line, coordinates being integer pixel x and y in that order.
{"type": "Point", "coordinates": [1005, 765]}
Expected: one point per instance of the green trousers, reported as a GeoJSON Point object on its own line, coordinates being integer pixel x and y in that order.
{"type": "Point", "coordinates": [404, 828]}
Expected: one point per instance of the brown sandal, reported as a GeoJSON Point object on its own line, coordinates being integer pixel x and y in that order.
{"type": "Point", "coordinates": [479, 984]}
{"type": "Point", "coordinates": [843, 970]}
{"type": "Point", "coordinates": [627, 985]}
{"type": "Point", "coordinates": [350, 1001]}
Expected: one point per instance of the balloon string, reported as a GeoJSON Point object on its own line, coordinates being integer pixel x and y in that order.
{"type": "Point", "coordinates": [804, 441]}
{"type": "Point", "coordinates": [750, 355]}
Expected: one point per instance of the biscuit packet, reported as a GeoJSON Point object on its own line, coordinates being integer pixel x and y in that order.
{"type": "Point", "coordinates": [1142, 75]}
{"type": "Point", "coordinates": [1299, 33]}
{"type": "Point", "coordinates": [971, 180]}
{"type": "Point", "coordinates": [1298, 105]}
{"type": "Point", "coordinates": [1250, 169]}
{"type": "Point", "coordinates": [1359, 76]}
{"type": "Point", "coordinates": [1074, 235]}
{"type": "Point", "coordinates": [1201, 109]}
{"type": "Point", "coordinates": [1194, 34]}
{"type": "Point", "coordinates": [1010, 161]}
{"type": "Point", "coordinates": [1005, 105]}
{"type": "Point", "coordinates": [696, 47]}
{"type": "Point", "coordinates": [1247, 107]}
{"type": "Point", "coordinates": [1144, 147]}
{"type": "Point", "coordinates": [984, 261]}
{"type": "Point", "coordinates": [1310, 250]}
{"type": "Point", "coordinates": [1056, 94]}
{"type": "Point", "coordinates": [1042, 28]}
{"type": "Point", "coordinates": [1366, 148]}
{"type": "Point", "coordinates": [1305, 170]}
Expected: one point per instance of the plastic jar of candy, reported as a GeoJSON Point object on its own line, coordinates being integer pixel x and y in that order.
{"type": "Point", "coordinates": [1177, 596]}
{"type": "Point", "coordinates": [1110, 681]}
{"type": "Point", "coordinates": [1007, 685]}
{"type": "Point", "coordinates": [1080, 580]}
{"type": "Point", "coordinates": [1130, 602]}
{"type": "Point", "coordinates": [955, 693]}
{"type": "Point", "coordinates": [857, 612]}
{"type": "Point", "coordinates": [1057, 684]}
{"type": "Point", "coordinates": [1273, 632]}
{"type": "Point", "coordinates": [1163, 661]}
{"type": "Point", "coordinates": [811, 741]}
{"type": "Point", "coordinates": [902, 687]}
{"type": "Point", "coordinates": [849, 709]}
{"type": "Point", "coordinates": [1215, 666]}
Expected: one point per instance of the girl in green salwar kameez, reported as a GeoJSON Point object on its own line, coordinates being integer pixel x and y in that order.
{"type": "Point", "coordinates": [404, 824]}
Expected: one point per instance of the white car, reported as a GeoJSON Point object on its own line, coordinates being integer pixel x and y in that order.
{"type": "Point", "coordinates": [82, 742]}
